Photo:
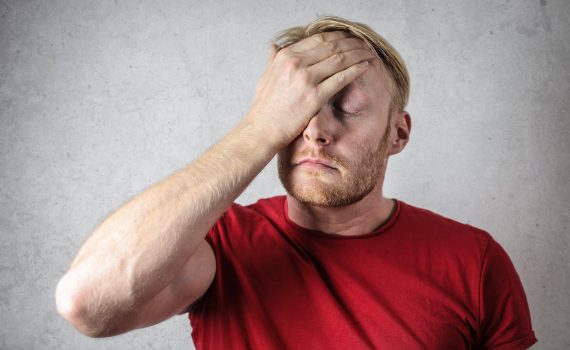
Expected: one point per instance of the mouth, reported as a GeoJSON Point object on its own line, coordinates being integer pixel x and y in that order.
{"type": "Point", "coordinates": [315, 163]}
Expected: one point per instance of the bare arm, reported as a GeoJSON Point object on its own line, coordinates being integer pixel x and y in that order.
{"type": "Point", "coordinates": [148, 260]}
{"type": "Point", "coordinates": [143, 246]}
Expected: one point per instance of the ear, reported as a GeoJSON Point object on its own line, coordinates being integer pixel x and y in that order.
{"type": "Point", "coordinates": [402, 126]}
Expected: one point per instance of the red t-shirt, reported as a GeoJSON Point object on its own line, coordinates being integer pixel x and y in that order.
{"type": "Point", "coordinates": [420, 281]}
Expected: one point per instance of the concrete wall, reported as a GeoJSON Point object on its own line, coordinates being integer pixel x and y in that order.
{"type": "Point", "coordinates": [100, 99]}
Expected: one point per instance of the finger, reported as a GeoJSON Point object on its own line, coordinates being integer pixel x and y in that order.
{"type": "Point", "coordinates": [329, 48]}
{"type": "Point", "coordinates": [317, 39]}
{"type": "Point", "coordinates": [337, 63]}
{"type": "Point", "coordinates": [333, 84]}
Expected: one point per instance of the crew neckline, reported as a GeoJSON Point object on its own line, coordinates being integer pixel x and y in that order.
{"type": "Point", "coordinates": [387, 224]}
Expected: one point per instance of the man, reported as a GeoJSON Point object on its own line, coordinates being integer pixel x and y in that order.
{"type": "Point", "coordinates": [334, 264]}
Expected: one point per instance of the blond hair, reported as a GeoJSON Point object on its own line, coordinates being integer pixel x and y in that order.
{"type": "Point", "coordinates": [385, 52]}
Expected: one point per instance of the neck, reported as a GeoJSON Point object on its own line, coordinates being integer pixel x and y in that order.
{"type": "Point", "coordinates": [356, 219]}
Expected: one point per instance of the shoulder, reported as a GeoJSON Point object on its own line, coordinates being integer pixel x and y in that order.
{"type": "Point", "coordinates": [260, 206]}
{"type": "Point", "coordinates": [265, 208]}
{"type": "Point", "coordinates": [430, 226]}
{"type": "Point", "coordinates": [247, 219]}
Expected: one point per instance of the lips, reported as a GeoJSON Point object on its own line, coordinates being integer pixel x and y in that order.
{"type": "Point", "coordinates": [316, 163]}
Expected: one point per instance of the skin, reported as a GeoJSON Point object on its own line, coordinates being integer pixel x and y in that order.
{"type": "Point", "coordinates": [352, 135]}
{"type": "Point", "coordinates": [148, 260]}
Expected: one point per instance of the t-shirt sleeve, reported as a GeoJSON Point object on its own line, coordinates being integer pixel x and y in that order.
{"type": "Point", "coordinates": [504, 320]}
{"type": "Point", "coordinates": [212, 238]}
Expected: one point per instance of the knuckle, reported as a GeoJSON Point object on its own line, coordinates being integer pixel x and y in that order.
{"type": "Point", "coordinates": [331, 46]}
{"type": "Point", "coordinates": [293, 62]}
{"type": "Point", "coordinates": [338, 57]}
{"type": "Point", "coordinates": [319, 38]}
{"type": "Point", "coordinates": [296, 61]}
{"type": "Point", "coordinates": [340, 78]}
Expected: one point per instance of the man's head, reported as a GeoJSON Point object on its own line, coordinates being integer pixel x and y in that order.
{"type": "Point", "coordinates": [390, 58]}
{"type": "Point", "coordinates": [341, 155]}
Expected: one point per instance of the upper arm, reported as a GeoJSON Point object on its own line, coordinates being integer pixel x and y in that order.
{"type": "Point", "coordinates": [192, 282]}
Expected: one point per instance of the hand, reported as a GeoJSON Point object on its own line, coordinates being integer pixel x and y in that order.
{"type": "Point", "coordinates": [301, 78]}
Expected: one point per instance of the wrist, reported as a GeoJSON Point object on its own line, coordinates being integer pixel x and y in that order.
{"type": "Point", "coordinates": [265, 135]}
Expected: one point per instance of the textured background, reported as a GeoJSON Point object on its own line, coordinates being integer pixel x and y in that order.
{"type": "Point", "coordinates": [98, 100]}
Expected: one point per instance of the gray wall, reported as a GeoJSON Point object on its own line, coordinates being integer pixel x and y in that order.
{"type": "Point", "coordinates": [98, 100]}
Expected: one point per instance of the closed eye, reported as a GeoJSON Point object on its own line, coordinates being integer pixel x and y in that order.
{"type": "Point", "coordinates": [344, 111]}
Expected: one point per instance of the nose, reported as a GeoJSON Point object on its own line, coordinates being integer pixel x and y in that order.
{"type": "Point", "coordinates": [319, 131]}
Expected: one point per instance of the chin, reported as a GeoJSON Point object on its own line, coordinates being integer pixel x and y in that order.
{"type": "Point", "coordinates": [318, 193]}
{"type": "Point", "coordinates": [331, 189]}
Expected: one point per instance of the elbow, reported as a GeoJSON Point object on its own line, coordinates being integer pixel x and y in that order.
{"type": "Point", "coordinates": [72, 306]}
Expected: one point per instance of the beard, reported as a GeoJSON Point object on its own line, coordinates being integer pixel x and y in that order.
{"type": "Point", "coordinates": [358, 177]}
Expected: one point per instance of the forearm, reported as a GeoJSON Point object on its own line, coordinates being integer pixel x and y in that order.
{"type": "Point", "coordinates": [141, 247]}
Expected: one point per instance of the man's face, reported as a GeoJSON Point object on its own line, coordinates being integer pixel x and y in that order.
{"type": "Point", "coordinates": [341, 155]}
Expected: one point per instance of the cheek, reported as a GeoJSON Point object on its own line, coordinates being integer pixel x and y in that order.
{"type": "Point", "coordinates": [285, 155]}
{"type": "Point", "coordinates": [294, 149]}
{"type": "Point", "coordinates": [285, 158]}
{"type": "Point", "coordinates": [359, 147]}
